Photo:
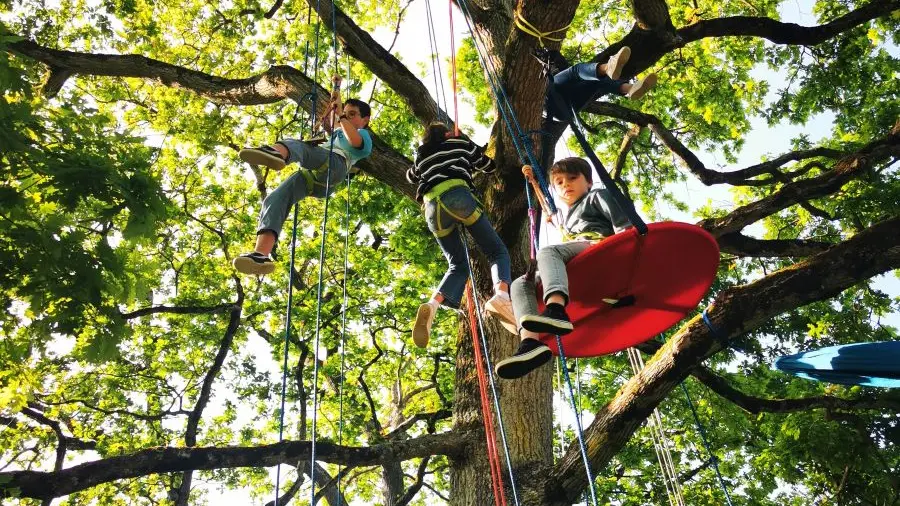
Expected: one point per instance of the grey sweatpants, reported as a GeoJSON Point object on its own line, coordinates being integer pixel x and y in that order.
{"type": "Point", "coordinates": [308, 181]}
{"type": "Point", "coordinates": [551, 264]}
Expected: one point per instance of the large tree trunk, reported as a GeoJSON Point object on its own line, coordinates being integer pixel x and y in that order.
{"type": "Point", "coordinates": [527, 419]}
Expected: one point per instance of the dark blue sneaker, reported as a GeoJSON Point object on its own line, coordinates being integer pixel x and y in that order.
{"type": "Point", "coordinates": [263, 155]}
{"type": "Point", "coordinates": [254, 263]}
{"type": "Point", "coordinates": [530, 355]}
{"type": "Point", "coordinates": [553, 320]}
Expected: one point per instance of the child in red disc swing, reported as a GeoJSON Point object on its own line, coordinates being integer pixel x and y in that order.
{"type": "Point", "coordinates": [443, 173]}
{"type": "Point", "coordinates": [592, 216]}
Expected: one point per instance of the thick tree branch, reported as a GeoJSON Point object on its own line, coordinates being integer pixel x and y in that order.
{"type": "Point", "coordinates": [624, 149]}
{"type": "Point", "coordinates": [44, 485]}
{"type": "Point", "coordinates": [883, 400]}
{"type": "Point", "coordinates": [738, 244]}
{"type": "Point", "coordinates": [692, 162]}
{"type": "Point", "coordinates": [276, 84]}
{"type": "Point", "coordinates": [844, 170]}
{"type": "Point", "coordinates": [735, 312]}
{"type": "Point", "coordinates": [359, 44]}
{"type": "Point", "coordinates": [786, 33]}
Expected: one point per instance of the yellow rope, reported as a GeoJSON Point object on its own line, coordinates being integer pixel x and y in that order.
{"type": "Point", "coordinates": [532, 30]}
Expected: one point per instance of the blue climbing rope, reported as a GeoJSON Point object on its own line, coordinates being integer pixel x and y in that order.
{"type": "Point", "coordinates": [290, 302]}
{"type": "Point", "coordinates": [524, 151]}
{"type": "Point", "coordinates": [324, 233]}
{"type": "Point", "coordinates": [712, 456]}
{"type": "Point", "coordinates": [579, 433]}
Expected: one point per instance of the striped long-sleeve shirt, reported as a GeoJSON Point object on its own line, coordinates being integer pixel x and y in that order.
{"type": "Point", "coordinates": [454, 158]}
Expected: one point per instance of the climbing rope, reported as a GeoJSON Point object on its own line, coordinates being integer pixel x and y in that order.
{"type": "Point", "coordinates": [324, 234]}
{"type": "Point", "coordinates": [453, 72]}
{"type": "Point", "coordinates": [578, 430]}
{"type": "Point", "coordinates": [489, 374]}
{"type": "Point", "coordinates": [486, 410]}
{"type": "Point", "coordinates": [660, 442]}
{"type": "Point", "coordinates": [344, 314]}
{"type": "Point", "coordinates": [290, 300]}
{"type": "Point", "coordinates": [436, 63]}
{"type": "Point", "coordinates": [520, 139]}
{"type": "Point", "coordinates": [712, 456]}
{"type": "Point", "coordinates": [524, 25]}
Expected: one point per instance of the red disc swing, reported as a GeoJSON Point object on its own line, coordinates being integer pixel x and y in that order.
{"type": "Point", "coordinates": [633, 285]}
{"type": "Point", "coordinates": [630, 287]}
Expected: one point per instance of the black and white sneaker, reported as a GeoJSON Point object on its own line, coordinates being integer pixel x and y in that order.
{"type": "Point", "coordinates": [254, 263]}
{"type": "Point", "coordinates": [553, 320]}
{"type": "Point", "coordinates": [263, 155]}
{"type": "Point", "coordinates": [530, 355]}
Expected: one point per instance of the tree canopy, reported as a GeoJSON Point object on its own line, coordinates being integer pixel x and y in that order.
{"type": "Point", "coordinates": [139, 368]}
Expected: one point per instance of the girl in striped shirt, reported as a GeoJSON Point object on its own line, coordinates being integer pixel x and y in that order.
{"type": "Point", "coordinates": [443, 173]}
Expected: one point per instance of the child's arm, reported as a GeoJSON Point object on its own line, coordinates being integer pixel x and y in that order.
{"type": "Point", "coordinates": [480, 161]}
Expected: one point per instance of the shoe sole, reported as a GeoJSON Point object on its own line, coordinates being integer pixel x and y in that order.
{"type": "Point", "coordinates": [621, 59]}
{"type": "Point", "coordinates": [508, 323]}
{"type": "Point", "coordinates": [645, 85]}
{"type": "Point", "coordinates": [257, 157]}
{"type": "Point", "coordinates": [248, 266]}
{"type": "Point", "coordinates": [520, 365]}
{"type": "Point", "coordinates": [421, 332]}
{"type": "Point", "coordinates": [543, 325]}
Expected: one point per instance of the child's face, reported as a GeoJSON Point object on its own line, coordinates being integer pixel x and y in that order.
{"type": "Point", "coordinates": [352, 113]}
{"type": "Point", "coordinates": [570, 187]}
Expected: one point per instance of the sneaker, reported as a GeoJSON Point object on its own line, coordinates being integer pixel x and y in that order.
{"type": "Point", "coordinates": [263, 155]}
{"type": "Point", "coordinates": [501, 308]}
{"type": "Point", "coordinates": [254, 263]}
{"type": "Point", "coordinates": [617, 62]}
{"type": "Point", "coordinates": [530, 355]}
{"type": "Point", "coordinates": [640, 88]}
{"type": "Point", "coordinates": [421, 330]}
{"type": "Point", "coordinates": [553, 320]}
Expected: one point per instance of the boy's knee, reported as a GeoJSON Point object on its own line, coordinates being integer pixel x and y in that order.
{"type": "Point", "coordinates": [519, 283]}
{"type": "Point", "coordinates": [546, 254]}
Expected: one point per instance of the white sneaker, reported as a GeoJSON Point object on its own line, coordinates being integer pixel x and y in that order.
{"type": "Point", "coordinates": [640, 88]}
{"type": "Point", "coordinates": [617, 62]}
{"type": "Point", "coordinates": [501, 308]}
{"type": "Point", "coordinates": [421, 330]}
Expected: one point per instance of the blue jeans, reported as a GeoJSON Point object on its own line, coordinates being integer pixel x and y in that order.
{"type": "Point", "coordinates": [444, 214]}
{"type": "Point", "coordinates": [551, 264]}
{"type": "Point", "coordinates": [308, 181]}
{"type": "Point", "coordinates": [577, 86]}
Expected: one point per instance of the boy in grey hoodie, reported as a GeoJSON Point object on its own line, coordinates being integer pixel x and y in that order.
{"type": "Point", "coordinates": [592, 216]}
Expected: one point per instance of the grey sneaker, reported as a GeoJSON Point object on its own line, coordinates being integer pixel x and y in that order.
{"type": "Point", "coordinates": [254, 263]}
{"type": "Point", "coordinates": [263, 155]}
{"type": "Point", "coordinates": [640, 88]}
{"type": "Point", "coordinates": [617, 62]}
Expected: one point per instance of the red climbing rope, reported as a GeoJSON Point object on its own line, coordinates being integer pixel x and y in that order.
{"type": "Point", "coordinates": [486, 409]}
